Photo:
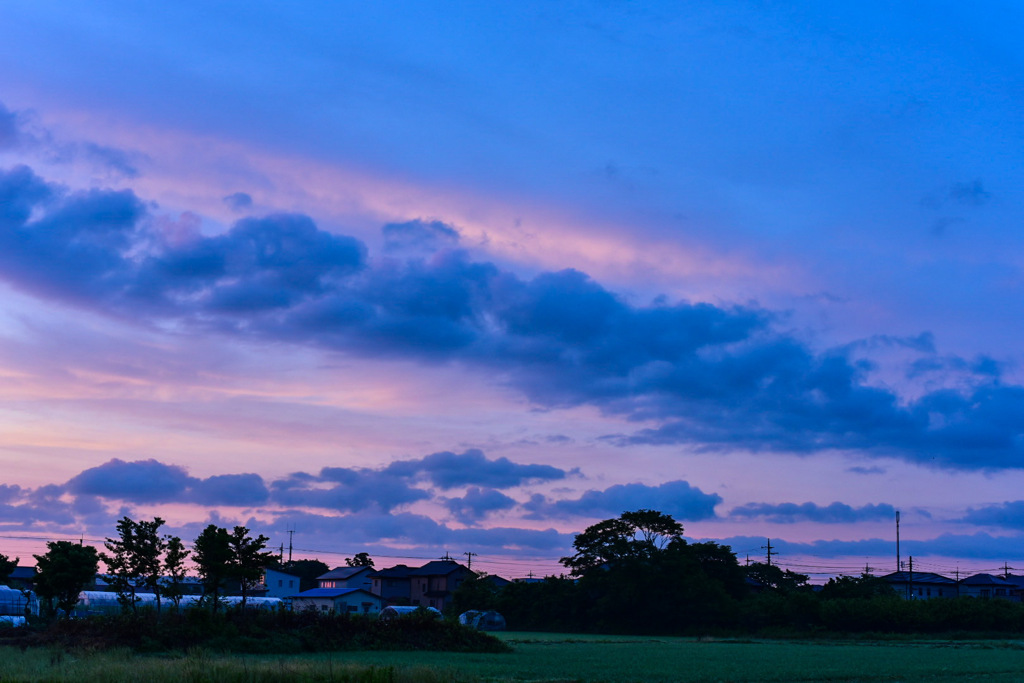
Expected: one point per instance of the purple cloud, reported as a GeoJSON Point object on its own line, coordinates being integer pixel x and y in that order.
{"type": "Point", "coordinates": [448, 470]}
{"type": "Point", "coordinates": [676, 498]}
{"type": "Point", "coordinates": [835, 513]}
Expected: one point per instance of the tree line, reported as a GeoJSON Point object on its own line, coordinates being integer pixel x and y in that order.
{"type": "Point", "coordinates": [637, 574]}
{"type": "Point", "coordinates": [142, 559]}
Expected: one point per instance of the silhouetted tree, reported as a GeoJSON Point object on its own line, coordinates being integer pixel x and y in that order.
{"type": "Point", "coordinates": [249, 557]}
{"type": "Point", "coordinates": [63, 572]}
{"type": "Point", "coordinates": [133, 560]}
{"type": "Point", "coordinates": [212, 556]}
{"type": "Point", "coordinates": [7, 567]}
{"type": "Point", "coordinates": [631, 536]}
{"type": "Point", "coordinates": [360, 560]}
{"type": "Point", "coordinates": [174, 566]}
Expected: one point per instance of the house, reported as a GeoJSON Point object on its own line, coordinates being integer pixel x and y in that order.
{"type": "Point", "coordinates": [278, 584]}
{"type": "Point", "coordinates": [495, 581]}
{"type": "Point", "coordinates": [347, 577]}
{"type": "Point", "coordinates": [393, 585]}
{"type": "Point", "coordinates": [922, 585]}
{"type": "Point", "coordinates": [433, 583]}
{"type": "Point", "coordinates": [988, 586]}
{"type": "Point", "coordinates": [22, 578]}
{"type": "Point", "coordinates": [352, 601]}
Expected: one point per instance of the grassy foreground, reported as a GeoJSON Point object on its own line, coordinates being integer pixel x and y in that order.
{"type": "Point", "coordinates": [549, 657]}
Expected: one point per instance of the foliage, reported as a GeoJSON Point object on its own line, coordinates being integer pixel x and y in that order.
{"type": "Point", "coordinates": [63, 572]}
{"type": "Point", "coordinates": [246, 630]}
{"type": "Point", "coordinates": [174, 567]}
{"type": "Point", "coordinates": [473, 593]}
{"type": "Point", "coordinates": [776, 579]}
{"type": "Point", "coordinates": [133, 561]}
{"type": "Point", "coordinates": [636, 535]}
{"type": "Point", "coordinates": [863, 587]}
{"type": "Point", "coordinates": [212, 554]}
{"type": "Point", "coordinates": [360, 560]}
{"type": "Point", "coordinates": [248, 558]}
{"type": "Point", "coordinates": [7, 567]}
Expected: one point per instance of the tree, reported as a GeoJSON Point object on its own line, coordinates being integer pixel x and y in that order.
{"type": "Point", "coordinates": [212, 556]}
{"type": "Point", "coordinates": [174, 566]}
{"type": "Point", "coordinates": [7, 567]}
{"type": "Point", "coordinates": [133, 560]}
{"type": "Point", "coordinates": [634, 535]}
{"type": "Point", "coordinates": [775, 578]}
{"type": "Point", "coordinates": [249, 557]}
{"type": "Point", "coordinates": [360, 560]}
{"type": "Point", "coordinates": [307, 571]}
{"type": "Point", "coordinates": [63, 572]}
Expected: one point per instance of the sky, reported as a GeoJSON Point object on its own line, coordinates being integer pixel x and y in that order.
{"type": "Point", "coordinates": [425, 277]}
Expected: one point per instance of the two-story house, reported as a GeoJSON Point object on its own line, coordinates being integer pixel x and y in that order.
{"type": "Point", "coordinates": [433, 583]}
{"type": "Point", "coordinates": [347, 577]}
{"type": "Point", "coordinates": [393, 585]}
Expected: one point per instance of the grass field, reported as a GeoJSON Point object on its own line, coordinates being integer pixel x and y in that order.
{"type": "Point", "coordinates": [549, 657]}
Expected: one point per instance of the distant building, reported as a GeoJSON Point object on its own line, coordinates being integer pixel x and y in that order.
{"type": "Point", "coordinates": [433, 583]}
{"type": "Point", "coordinates": [354, 601]}
{"type": "Point", "coordinates": [347, 577]}
{"type": "Point", "coordinates": [22, 578]}
{"type": "Point", "coordinates": [988, 586]}
{"type": "Point", "coordinates": [922, 585]}
{"type": "Point", "coordinates": [393, 585]}
{"type": "Point", "coordinates": [278, 584]}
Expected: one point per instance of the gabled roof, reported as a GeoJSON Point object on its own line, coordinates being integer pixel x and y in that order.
{"type": "Point", "coordinates": [399, 571]}
{"type": "Point", "coordinates": [343, 573]}
{"type": "Point", "coordinates": [918, 577]}
{"type": "Point", "coordinates": [329, 592]}
{"type": "Point", "coordinates": [439, 568]}
{"type": "Point", "coordinates": [987, 580]}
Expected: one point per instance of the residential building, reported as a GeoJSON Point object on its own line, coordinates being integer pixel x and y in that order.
{"type": "Point", "coordinates": [279, 584]}
{"type": "Point", "coordinates": [987, 586]}
{"type": "Point", "coordinates": [354, 601]}
{"type": "Point", "coordinates": [922, 585]}
{"type": "Point", "coordinates": [393, 585]}
{"type": "Point", "coordinates": [347, 577]}
{"type": "Point", "coordinates": [434, 582]}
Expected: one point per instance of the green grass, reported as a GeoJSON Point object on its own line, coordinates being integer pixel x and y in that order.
{"type": "Point", "coordinates": [549, 657]}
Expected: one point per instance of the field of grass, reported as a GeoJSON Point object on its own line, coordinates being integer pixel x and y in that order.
{"type": "Point", "coordinates": [550, 657]}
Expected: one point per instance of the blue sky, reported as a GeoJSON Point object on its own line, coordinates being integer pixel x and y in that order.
{"type": "Point", "coordinates": [470, 278]}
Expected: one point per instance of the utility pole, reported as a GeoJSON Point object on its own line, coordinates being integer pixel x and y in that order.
{"type": "Point", "coordinates": [446, 557]}
{"type": "Point", "coordinates": [291, 532]}
{"type": "Point", "coordinates": [910, 581]}
{"type": "Point", "coordinates": [769, 549]}
{"type": "Point", "coordinates": [1006, 570]}
{"type": "Point", "coordinates": [469, 560]}
{"type": "Point", "coordinates": [281, 554]}
{"type": "Point", "coordinates": [899, 565]}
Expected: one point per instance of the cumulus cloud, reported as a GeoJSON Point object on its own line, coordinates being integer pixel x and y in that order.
{"type": "Point", "coordinates": [345, 490]}
{"type": "Point", "coordinates": [718, 377]}
{"type": "Point", "coordinates": [1008, 515]}
{"type": "Point", "coordinates": [8, 128]}
{"type": "Point", "coordinates": [478, 503]}
{"type": "Point", "coordinates": [676, 498]}
{"type": "Point", "coordinates": [835, 513]}
{"type": "Point", "coordinates": [151, 481]}
{"type": "Point", "coordinates": [449, 470]}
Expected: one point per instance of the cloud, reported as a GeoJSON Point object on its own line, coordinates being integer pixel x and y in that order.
{"type": "Point", "coordinates": [238, 201]}
{"type": "Point", "coordinates": [478, 503]}
{"type": "Point", "coordinates": [9, 131]}
{"type": "Point", "coordinates": [151, 481]}
{"type": "Point", "coordinates": [865, 470]}
{"type": "Point", "coordinates": [971, 193]}
{"type": "Point", "coordinates": [676, 498]}
{"type": "Point", "coordinates": [345, 490]}
{"type": "Point", "coordinates": [142, 481]}
{"type": "Point", "coordinates": [418, 238]}
{"type": "Point", "coordinates": [449, 470]}
{"type": "Point", "coordinates": [835, 513]}
{"type": "Point", "coordinates": [720, 378]}
{"type": "Point", "coordinates": [1008, 515]}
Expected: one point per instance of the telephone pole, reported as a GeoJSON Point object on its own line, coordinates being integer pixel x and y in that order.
{"type": "Point", "coordinates": [469, 560]}
{"type": "Point", "coordinates": [769, 549]}
{"type": "Point", "coordinates": [291, 532]}
{"type": "Point", "coordinates": [899, 565]}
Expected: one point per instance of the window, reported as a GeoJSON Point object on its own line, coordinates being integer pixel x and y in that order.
{"type": "Point", "coordinates": [352, 608]}
{"type": "Point", "coordinates": [291, 583]}
{"type": "Point", "coordinates": [280, 583]}
{"type": "Point", "coordinates": [985, 593]}
{"type": "Point", "coordinates": [928, 592]}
